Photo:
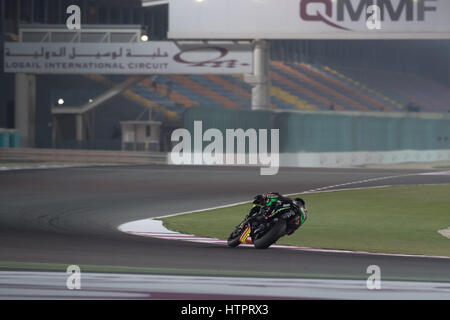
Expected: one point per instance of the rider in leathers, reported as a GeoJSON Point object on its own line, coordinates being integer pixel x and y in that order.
{"type": "Point", "coordinates": [268, 202]}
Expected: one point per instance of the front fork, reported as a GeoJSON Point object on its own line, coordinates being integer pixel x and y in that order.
{"type": "Point", "coordinates": [246, 235]}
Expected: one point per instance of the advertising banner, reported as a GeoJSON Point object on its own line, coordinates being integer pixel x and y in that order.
{"type": "Point", "coordinates": [163, 57]}
{"type": "Point", "coordinates": [309, 19]}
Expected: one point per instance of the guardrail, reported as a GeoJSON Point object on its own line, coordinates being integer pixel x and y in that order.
{"type": "Point", "coordinates": [85, 156]}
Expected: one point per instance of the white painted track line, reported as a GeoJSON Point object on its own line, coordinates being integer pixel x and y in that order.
{"type": "Point", "coordinates": [51, 285]}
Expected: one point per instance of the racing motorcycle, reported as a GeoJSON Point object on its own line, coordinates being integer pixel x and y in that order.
{"type": "Point", "coordinates": [270, 218]}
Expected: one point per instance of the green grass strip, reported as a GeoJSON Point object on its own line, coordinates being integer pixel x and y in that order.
{"type": "Point", "coordinates": [398, 219]}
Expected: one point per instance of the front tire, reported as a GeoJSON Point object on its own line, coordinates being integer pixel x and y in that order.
{"type": "Point", "coordinates": [235, 238]}
{"type": "Point", "coordinates": [271, 236]}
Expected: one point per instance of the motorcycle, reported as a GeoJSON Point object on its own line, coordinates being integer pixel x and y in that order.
{"type": "Point", "coordinates": [262, 228]}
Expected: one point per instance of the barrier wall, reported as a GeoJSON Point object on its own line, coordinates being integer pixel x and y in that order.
{"type": "Point", "coordinates": [339, 139]}
{"type": "Point", "coordinates": [228, 118]}
{"type": "Point", "coordinates": [83, 156]}
{"type": "Point", "coordinates": [312, 132]}
{"type": "Point", "coordinates": [355, 159]}
{"type": "Point", "coordinates": [307, 139]}
{"type": "Point", "coordinates": [223, 119]}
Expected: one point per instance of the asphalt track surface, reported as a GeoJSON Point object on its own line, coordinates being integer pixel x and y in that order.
{"type": "Point", "coordinates": [70, 216]}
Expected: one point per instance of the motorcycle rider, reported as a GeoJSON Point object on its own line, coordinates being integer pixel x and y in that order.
{"type": "Point", "coordinates": [266, 203]}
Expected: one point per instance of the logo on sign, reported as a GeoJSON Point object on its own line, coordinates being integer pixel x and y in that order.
{"type": "Point", "coordinates": [372, 12]}
{"type": "Point", "coordinates": [304, 15]}
{"type": "Point", "coordinates": [216, 61]}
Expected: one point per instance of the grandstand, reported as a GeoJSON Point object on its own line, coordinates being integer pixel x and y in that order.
{"type": "Point", "coordinates": [299, 86]}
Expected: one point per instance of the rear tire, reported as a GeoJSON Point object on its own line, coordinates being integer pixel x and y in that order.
{"type": "Point", "coordinates": [271, 236]}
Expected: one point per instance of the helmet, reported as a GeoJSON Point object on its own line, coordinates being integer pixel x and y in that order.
{"type": "Point", "coordinates": [270, 198]}
{"type": "Point", "coordinates": [271, 195]}
{"type": "Point", "coordinates": [266, 198]}
{"type": "Point", "coordinates": [300, 201]}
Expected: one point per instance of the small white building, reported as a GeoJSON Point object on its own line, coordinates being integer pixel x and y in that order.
{"type": "Point", "coordinates": [141, 135]}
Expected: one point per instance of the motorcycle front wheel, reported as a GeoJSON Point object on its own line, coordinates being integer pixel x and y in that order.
{"type": "Point", "coordinates": [234, 238]}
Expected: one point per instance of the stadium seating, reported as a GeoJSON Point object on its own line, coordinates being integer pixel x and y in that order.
{"type": "Point", "coordinates": [407, 89]}
{"type": "Point", "coordinates": [295, 87]}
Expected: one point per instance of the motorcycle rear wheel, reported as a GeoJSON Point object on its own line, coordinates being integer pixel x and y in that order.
{"type": "Point", "coordinates": [277, 231]}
